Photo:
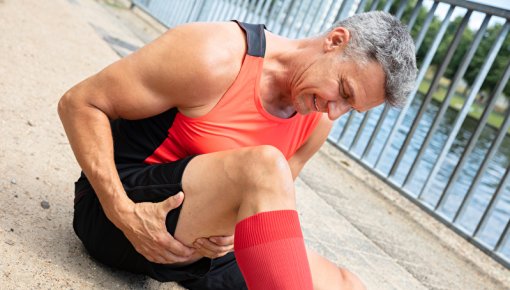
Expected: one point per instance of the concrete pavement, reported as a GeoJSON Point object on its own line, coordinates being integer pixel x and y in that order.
{"type": "Point", "coordinates": [347, 215]}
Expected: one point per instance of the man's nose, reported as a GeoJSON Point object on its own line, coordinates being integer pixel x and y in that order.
{"type": "Point", "coordinates": [337, 109]}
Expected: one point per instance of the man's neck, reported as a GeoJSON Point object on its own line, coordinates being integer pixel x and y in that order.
{"type": "Point", "coordinates": [281, 63]}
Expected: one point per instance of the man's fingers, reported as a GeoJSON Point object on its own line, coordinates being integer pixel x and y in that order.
{"type": "Point", "coordinates": [212, 247]}
{"type": "Point", "coordinates": [169, 258]}
{"type": "Point", "coordinates": [212, 255]}
{"type": "Point", "coordinates": [222, 240]}
{"type": "Point", "coordinates": [179, 249]}
{"type": "Point", "coordinates": [164, 256]}
{"type": "Point", "coordinates": [151, 238]}
{"type": "Point", "coordinates": [173, 202]}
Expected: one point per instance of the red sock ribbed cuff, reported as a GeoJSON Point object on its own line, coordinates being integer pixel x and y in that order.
{"type": "Point", "coordinates": [271, 253]}
{"type": "Point", "coordinates": [267, 227]}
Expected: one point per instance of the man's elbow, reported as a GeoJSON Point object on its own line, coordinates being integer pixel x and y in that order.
{"type": "Point", "coordinates": [65, 104]}
{"type": "Point", "coordinates": [73, 101]}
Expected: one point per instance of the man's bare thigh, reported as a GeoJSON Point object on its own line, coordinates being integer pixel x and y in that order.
{"type": "Point", "coordinates": [211, 198]}
{"type": "Point", "coordinates": [223, 187]}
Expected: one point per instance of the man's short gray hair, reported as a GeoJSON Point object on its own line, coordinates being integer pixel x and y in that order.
{"type": "Point", "coordinates": [381, 37]}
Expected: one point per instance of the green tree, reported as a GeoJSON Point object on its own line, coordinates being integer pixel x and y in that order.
{"type": "Point", "coordinates": [460, 51]}
{"type": "Point", "coordinates": [497, 67]}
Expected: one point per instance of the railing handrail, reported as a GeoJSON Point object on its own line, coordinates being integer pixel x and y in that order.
{"type": "Point", "coordinates": [496, 11]}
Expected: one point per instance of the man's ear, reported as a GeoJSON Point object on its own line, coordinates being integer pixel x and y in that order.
{"type": "Point", "coordinates": [336, 39]}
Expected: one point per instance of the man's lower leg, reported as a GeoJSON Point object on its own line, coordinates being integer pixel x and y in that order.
{"type": "Point", "coordinates": [250, 188]}
{"type": "Point", "coordinates": [270, 251]}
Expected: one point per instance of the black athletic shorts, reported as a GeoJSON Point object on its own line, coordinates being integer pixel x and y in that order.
{"type": "Point", "coordinates": [107, 244]}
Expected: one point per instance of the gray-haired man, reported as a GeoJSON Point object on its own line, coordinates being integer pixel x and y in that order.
{"type": "Point", "coordinates": [227, 113]}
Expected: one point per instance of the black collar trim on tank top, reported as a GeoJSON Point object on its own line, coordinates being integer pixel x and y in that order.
{"type": "Point", "coordinates": [256, 39]}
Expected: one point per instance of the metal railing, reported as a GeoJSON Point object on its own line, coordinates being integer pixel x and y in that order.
{"type": "Point", "coordinates": [448, 148]}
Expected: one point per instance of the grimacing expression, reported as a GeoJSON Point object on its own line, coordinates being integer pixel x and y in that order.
{"type": "Point", "coordinates": [336, 85]}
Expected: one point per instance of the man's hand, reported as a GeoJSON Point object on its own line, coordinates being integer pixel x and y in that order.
{"type": "Point", "coordinates": [146, 230]}
{"type": "Point", "coordinates": [214, 247]}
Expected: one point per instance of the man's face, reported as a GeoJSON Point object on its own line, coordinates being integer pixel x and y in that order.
{"type": "Point", "coordinates": [335, 86]}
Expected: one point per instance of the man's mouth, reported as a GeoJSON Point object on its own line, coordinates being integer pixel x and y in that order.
{"type": "Point", "coordinates": [315, 103]}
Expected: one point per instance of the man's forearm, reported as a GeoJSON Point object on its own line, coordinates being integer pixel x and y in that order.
{"type": "Point", "coordinates": [89, 134]}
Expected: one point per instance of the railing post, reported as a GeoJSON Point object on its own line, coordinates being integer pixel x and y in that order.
{"type": "Point", "coordinates": [205, 10]}
{"type": "Point", "coordinates": [421, 75]}
{"type": "Point", "coordinates": [428, 98]}
{"type": "Point", "coordinates": [344, 10]}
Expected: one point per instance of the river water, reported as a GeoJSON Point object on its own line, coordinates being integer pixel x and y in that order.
{"type": "Point", "coordinates": [482, 193]}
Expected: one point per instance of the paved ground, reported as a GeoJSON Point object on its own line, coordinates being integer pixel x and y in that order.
{"type": "Point", "coordinates": [347, 215]}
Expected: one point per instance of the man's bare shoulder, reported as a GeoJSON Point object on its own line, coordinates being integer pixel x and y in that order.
{"type": "Point", "coordinates": [208, 57]}
{"type": "Point", "coordinates": [189, 67]}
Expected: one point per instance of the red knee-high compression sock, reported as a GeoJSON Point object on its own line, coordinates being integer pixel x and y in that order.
{"type": "Point", "coordinates": [270, 251]}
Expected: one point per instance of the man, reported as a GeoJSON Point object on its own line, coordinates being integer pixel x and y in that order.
{"type": "Point", "coordinates": [227, 113]}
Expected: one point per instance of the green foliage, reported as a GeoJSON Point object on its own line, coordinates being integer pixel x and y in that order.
{"type": "Point", "coordinates": [462, 48]}
{"type": "Point", "coordinates": [497, 68]}
{"type": "Point", "coordinates": [482, 51]}
{"type": "Point", "coordinates": [499, 64]}
{"type": "Point", "coordinates": [458, 99]}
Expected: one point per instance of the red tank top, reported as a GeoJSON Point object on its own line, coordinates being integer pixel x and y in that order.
{"type": "Point", "coordinates": [238, 119]}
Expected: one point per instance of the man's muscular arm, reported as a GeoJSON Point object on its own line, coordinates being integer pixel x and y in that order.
{"type": "Point", "coordinates": [171, 72]}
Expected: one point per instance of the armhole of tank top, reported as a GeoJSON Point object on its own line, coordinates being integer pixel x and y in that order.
{"type": "Point", "coordinates": [224, 98]}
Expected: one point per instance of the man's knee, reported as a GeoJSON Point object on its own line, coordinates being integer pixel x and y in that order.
{"type": "Point", "coordinates": [264, 170]}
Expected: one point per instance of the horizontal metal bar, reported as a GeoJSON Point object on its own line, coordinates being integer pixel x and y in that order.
{"type": "Point", "coordinates": [496, 11]}
{"type": "Point", "coordinates": [146, 9]}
